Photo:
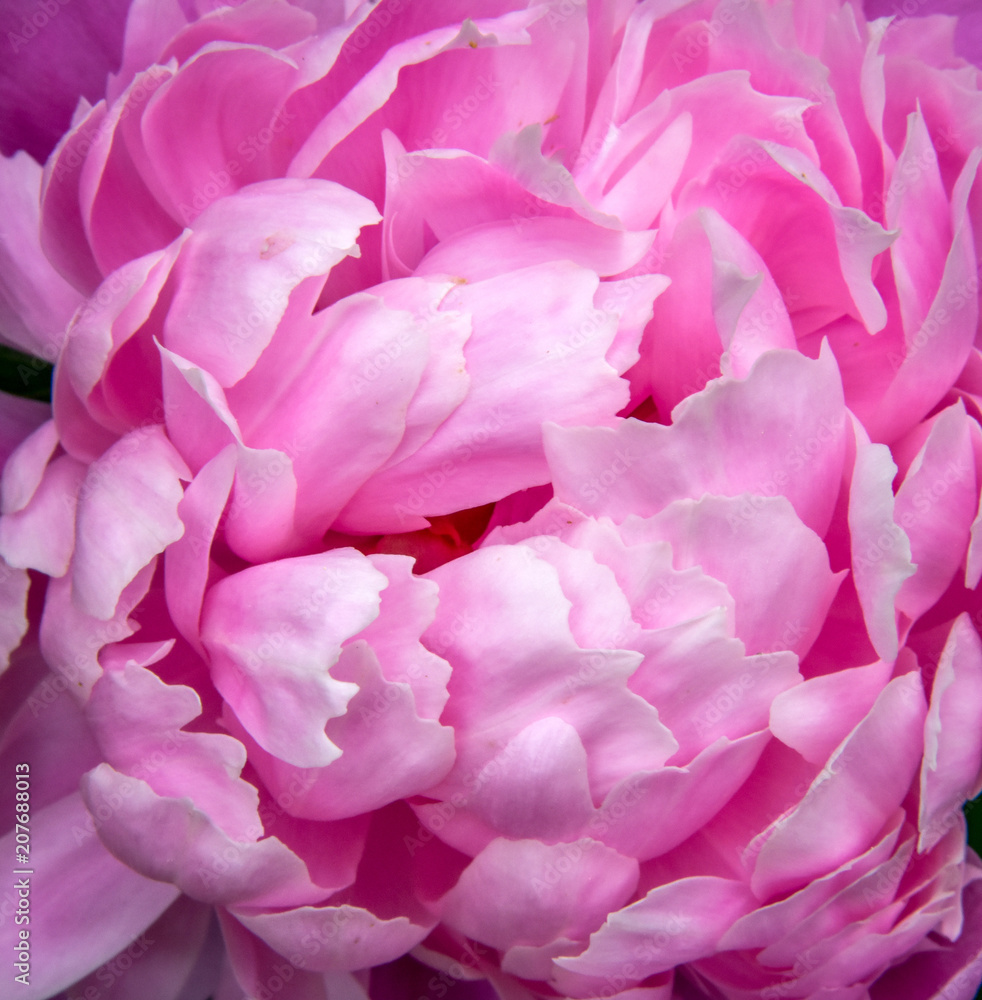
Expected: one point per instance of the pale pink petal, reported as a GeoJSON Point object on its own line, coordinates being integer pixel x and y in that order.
{"type": "Point", "coordinates": [721, 441]}
{"type": "Point", "coordinates": [811, 243]}
{"type": "Point", "coordinates": [917, 205]}
{"type": "Point", "coordinates": [25, 467]}
{"type": "Point", "coordinates": [935, 506]}
{"type": "Point", "coordinates": [95, 401]}
{"type": "Point", "coordinates": [782, 588]}
{"type": "Point", "coordinates": [220, 98]}
{"type": "Point", "coordinates": [150, 24]}
{"type": "Point", "coordinates": [127, 514]}
{"type": "Point", "coordinates": [273, 632]}
{"type": "Point", "coordinates": [187, 561]}
{"type": "Point", "coordinates": [376, 86]}
{"type": "Point", "coordinates": [862, 784]}
{"type": "Point", "coordinates": [770, 923]}
{"type": "Point", "coordinates": [509, 666]}
{"type": "Point", "coordinates": [536, 786]}
{"type": "Point", "coordinates": [246, 256]}
{"type": "Point", "coordinates": [934, 351]}
{"type": "Point", "coordinates": [260, 521]}
{"type": "Point", "coordinates": [649, 814]}
{"type": "Point", "coordinates": [345, 937]}
{"type": "Point", "coordinates": [816, 716]}
{"type": "Point", "coordinates": [750, 314]}
{"type": "Point", "coordinates": [112, 177]}
{"type": "Point", "coordinates": [322, 395]}
{"type": "Point", "coordinates": [72, 640]}
{"type": "Point", "coordinates": [552, 367]}
{"type": "Point", "coordinates": [168, 840]}
{"type": "Point", "coordinates": [703, 686]}
{"type": "Point", "coordinates": [526, 892]}
{"type": "Point", "coordinates": [466, 202]}
{"type": "Point", "coordinates": [138, 721]}
{"type": "Point", "coordinates": [63, 238]}
{"type": "Point", "coordinates": [409, 605]}
{"type": "Point", "coordinates": [387, 751]}
{"type": "Point", "coordinates": [952, 766]}
{"type": "Point", "coordinates": [42, 534]}
{"type": "Point", "coordinates": [881, 556]}
{"type": "Point", "coordinates": [674, 923]}
{"type": "Point", "coordinates": [36, 303]}
{"type": "Point", "coordinates": [73, 874]}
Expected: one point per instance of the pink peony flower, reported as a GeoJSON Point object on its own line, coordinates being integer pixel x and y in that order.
{"type": "Point", "coordinates": [508, 520]}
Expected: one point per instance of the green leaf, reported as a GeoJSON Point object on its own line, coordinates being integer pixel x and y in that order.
{"type": "Point", "coordinates": [22, 375]}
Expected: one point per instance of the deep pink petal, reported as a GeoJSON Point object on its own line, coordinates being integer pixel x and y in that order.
{"type": "Point", "coordinates": [55, 56]}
